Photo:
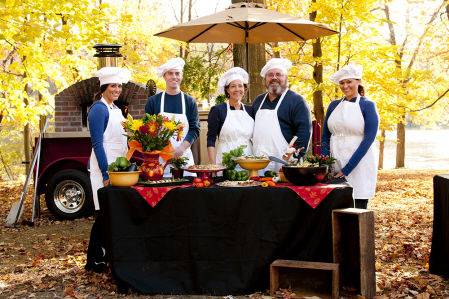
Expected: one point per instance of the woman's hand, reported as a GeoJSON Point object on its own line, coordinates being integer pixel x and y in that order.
{"type": "Point", "coordinates": [106, 182]}
{"type": "Point", "coordinates": [179, 151]}
{"type": "Point", "coordinates": [339, 175]}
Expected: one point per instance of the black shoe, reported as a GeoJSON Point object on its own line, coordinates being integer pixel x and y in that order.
{"type": "Point", "coordinates": [96, 267]}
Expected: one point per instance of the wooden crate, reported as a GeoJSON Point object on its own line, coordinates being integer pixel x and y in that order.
{"type": "Point", "coordinates": [353, 248]}
{"type": "Point", "coordinates": [303, 285]}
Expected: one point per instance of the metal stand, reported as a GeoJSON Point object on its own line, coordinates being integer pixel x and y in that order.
{"type": "Point", "coordinates": [17, 208]}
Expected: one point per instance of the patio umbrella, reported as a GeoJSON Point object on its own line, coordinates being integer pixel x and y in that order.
{"type": "Point", "coordinates": [244, 23]}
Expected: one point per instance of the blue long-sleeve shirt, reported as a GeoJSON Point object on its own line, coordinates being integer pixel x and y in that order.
{"type": "Point", "coordinates": [371, 119]}
{"type": "Point", "coordinates": [216, 118]}
{"type": "Point", "coordinates": [173, 104]}
{"type": "Point", "coordinates": [293, 115]}
{"type": "Point", "coordinates": [98, 118]}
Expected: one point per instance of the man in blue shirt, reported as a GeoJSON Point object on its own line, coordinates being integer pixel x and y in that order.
{"type": "Point", "coordinates": [173, 103]}
{"type": "Point", "coordinates": [280, 115]}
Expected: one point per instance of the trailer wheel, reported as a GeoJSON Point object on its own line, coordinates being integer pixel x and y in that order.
{"type": "Point", "coordinates": [69, 194]}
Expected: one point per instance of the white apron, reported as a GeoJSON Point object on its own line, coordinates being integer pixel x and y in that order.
{"type": "Point", "coordinates": [183, 119]}
{"type": "Point", "coordinates": [267, 138]}
{"type": "Point", "coordinates": [237, 130]}
{"type": "Point", "coordinates": [114, 144]}
{"type": "Point", "coordinates": [347, 126]}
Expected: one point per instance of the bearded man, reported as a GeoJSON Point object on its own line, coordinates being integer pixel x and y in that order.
{"type": "Point", "coordinates": [280, 115]}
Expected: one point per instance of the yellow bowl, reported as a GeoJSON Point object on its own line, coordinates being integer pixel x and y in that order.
{"type": "Point", "coordinates": [253, 165]}
{"type": "Point", "coordinates": [124, 178]}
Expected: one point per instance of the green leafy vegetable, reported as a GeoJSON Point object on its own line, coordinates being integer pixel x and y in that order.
{"type": "Point", "coordinates": [228, 157]}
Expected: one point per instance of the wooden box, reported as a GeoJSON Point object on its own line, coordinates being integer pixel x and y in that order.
{"type": "Point", "coordinates": [353, 248]}
{"type": "Point", "coordinates": [305, 278]}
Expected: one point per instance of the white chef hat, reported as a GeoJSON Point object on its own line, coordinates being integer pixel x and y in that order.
{"type": "Point", "coordinates": [113, 74]}
{"type": "Point", "coordinates": [176, 64]}
{"type": "Point", "coordinates": [350, 71]}
{"type": "Point", "coordinates": [235, 73]}
{"type": "Point", "coordinates": [276, 63]}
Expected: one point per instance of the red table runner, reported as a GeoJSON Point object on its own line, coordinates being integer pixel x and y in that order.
{"type": "Point", "coordinates": [312, 195]}
{"type": "Point", "coordinates": [153, 195]}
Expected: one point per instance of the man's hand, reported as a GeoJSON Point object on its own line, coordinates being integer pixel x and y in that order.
{"type": "Point", "coordinates": [106, 182]}
{"type": "Point", "coordinates": [290, 152]}
{"type": "Point", "coordinates": [179, 151]}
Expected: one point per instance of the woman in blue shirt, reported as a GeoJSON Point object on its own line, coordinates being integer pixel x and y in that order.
{"type": "Point", "coordinates": [105, 126]}
{"type": "Point", "coordinates": [350, 128]}
{"type": "Point", "coordinates": [108, 142]}
{"type": "Point", "coordinates": [230, 124]}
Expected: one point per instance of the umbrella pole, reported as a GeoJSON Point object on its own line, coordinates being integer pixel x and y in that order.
{"type": "Point", "coordinates": [247, 65]}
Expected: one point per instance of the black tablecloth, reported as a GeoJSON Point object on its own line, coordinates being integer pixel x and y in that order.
{"type": "Point", "coordinates": [215, 240]}
{"type": "Point", "coordinates": [439, 254]}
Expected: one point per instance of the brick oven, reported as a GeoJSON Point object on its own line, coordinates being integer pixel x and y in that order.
{"type": "Point", "coordinates": [72, 104]}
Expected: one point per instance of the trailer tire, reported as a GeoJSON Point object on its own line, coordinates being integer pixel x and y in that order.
{"type": "Point", "coordinates": [69, 194]}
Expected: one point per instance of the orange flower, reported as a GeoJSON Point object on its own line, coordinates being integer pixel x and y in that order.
{"type": "Point", "coordinates": [179, 133]}
{"type": "Point", "coordinates": [152, 128]}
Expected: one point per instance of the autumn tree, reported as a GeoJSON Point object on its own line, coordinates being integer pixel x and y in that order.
{"type": "Point", "coordinates": [409, 73]}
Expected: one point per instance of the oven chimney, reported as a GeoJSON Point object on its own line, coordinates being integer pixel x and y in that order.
{"type": "Point", "coordinates": [107, 54]}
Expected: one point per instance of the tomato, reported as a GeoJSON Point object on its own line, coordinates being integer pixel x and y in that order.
{"type": "Point", "coordinates": [199, 185]}
{"type": "Point", "coordinates": [197, 180]}
{"type": "Point", "coordinates": [320, 177]}
{"type": "Point", "coordinates": [206, 183]}
{"type": "Point", "coordinates": [254, 178]}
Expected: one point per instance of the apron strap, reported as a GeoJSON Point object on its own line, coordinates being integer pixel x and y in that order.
{"type": "Point", "coordinates": [229, 106]}
{"type": "Point", "coordinates": [183, 104]}
{"type": "Point", "coordinates": [162, 102]}
{"type": "Point", "coordinates": [280, 100]}
{"type": "Point", "coordinates": [277, 105]}
{"type": "Point", "coordinates": [263, 101]}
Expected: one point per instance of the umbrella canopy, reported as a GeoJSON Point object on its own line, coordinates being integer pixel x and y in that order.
{"type": "Point", "coordinates": [246, 23]}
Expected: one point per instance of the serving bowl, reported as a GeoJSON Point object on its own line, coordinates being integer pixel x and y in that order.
{"type": "Point", "coordinates": [124, 178]}
{"type": "Point", "coordinates": [252, 165]}
{"type": "Point", "coordinates": [305, 176]}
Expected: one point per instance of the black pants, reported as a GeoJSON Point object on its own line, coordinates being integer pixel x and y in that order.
{"type": "Point", "coordinates": [361, 203]}
{"type": "Point", "coordinates": [96, 255]}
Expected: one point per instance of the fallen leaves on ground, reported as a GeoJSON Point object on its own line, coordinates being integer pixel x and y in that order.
{"type": "Point", "coordinates": [47, 260]}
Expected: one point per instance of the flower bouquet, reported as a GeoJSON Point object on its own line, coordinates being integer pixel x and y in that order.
{"type": "Point", "coordinates": [151, 135]}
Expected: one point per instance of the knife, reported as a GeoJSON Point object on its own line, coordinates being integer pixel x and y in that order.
{"type": "Point", "coordinates": [275, 159]}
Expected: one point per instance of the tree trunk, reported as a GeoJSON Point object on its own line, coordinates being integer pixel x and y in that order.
{"type": "Point", "coordinates": [181, 19]}
{"type": "Point", "coordinates": [189, 18]}
{"type": "Point", "coordinates": [257, 60]}
{"type": "Point", "coordinates": [381, 149]}
{"type": "Point", "coordinates": [400, 145]}
{"type": "Point", "coordinates": [26, 148]}
{"type": "Point", "coordinates": [276, 52]}
{"type": "Point", "coordinates": [318, 109]}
